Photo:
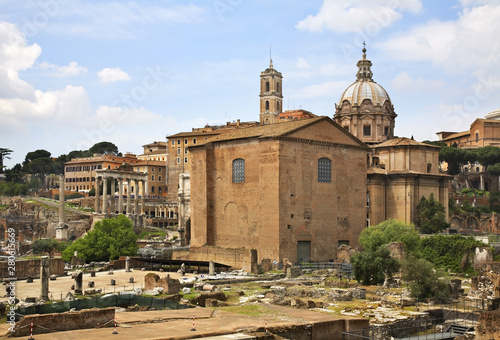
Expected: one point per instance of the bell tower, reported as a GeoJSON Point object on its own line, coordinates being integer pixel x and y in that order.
{"type": "Point", "coordinates": [271, 95]}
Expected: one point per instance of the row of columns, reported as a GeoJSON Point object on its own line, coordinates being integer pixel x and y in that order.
{"type": "Point", "coordinates": [120, 196]}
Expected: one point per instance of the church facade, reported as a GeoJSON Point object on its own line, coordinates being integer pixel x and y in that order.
{"type": "Point", "coordinates": [293, 190]}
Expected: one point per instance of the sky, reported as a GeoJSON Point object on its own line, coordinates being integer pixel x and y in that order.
{"type": "Point", "coordinates": [74, 73]}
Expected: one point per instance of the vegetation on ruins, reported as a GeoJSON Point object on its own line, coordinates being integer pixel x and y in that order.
{"type": "Point", "coordinates": [431, 215]}
{"type": "Point", "coordinates": [110, 238]}
{"type": "Point", "coordinates": [48, 246]}
{"type": "Point", "coordinates": [445, 252]}
{"type": "Point", "coordinates": [423, 280]}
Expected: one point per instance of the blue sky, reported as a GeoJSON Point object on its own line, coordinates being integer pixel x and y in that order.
{"type": "Point", "coordinates": [73, 73]}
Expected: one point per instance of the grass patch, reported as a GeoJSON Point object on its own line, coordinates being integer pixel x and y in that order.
{"type": "Point", "coordinates": [152, 233]}
{"type": "Point", "coordinates": [253, 310]}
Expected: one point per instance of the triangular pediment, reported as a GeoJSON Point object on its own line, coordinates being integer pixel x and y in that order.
{"type": "Point", "coordinates": [326, 131]}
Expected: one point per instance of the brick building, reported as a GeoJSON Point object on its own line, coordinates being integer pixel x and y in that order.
{"type": "Point", "coordinates": [292, 190]}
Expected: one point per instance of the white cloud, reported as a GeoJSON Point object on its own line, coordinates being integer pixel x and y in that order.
{"type": "Point", "coordinates": [403, 82]}
{"type": "Point", "coordinates": [359, 15]}
{"type": "Point", "coordinates": [466, 44]}
{"type": "Point", "coordinates": [111, 75]}
{"type": "Point", "coordinates": [73, 69]}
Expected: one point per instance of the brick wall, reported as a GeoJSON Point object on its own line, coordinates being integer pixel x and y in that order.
{"type": "Point", "coordinates": [25, 268]}
{"type": "Point", "coordinates": [87, 318]}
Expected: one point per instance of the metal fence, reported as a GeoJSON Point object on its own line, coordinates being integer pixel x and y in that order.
{"type": "Point", "coordinates": [114, 300]}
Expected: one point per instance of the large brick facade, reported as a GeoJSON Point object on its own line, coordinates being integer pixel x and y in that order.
{"type": "Point", "coordinates": [280, 209]}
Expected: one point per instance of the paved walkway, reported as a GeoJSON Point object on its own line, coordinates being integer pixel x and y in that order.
{"type": "Point", "coordinates": [178, 324]}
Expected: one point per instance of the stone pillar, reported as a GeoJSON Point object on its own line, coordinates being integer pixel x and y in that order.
{"type": "Point", "coordinates": [120, 194]}
{"type": "Point", "coordinates": [129, 196]}
{"type": "Point", "coordinates": [136, 197]}
{"type": "Point", "coordinates": [211, 268]}
{"type": "Point", "coordinates": [97, 194]}
{"type": "Point", "coordinates": [143, 199]}
{"type": "Point", "coordinates": [78, 277]}
{"type": "Point", "coordinates": [112, 207]}
{"type": "Point", "coordinates": [61, 229]}
{"type": "Point", "coordinates": [105, 195]}
{"type": "Point", "coordinates": [127, 264]}
{"type": "Point", "coordinates": [481, 183]}
{"type": "Point", "coordinates": [44, 278]}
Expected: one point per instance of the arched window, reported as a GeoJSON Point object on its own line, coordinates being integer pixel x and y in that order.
{"type": "Point", "coordinates": [278, 87]}
{"type": "Point", "coordinates": [239, 170]}
{"type": "Point", "coordinates": [278, 106]}
{"type": "Point", "coordinates": [267, 105]}
{"type": "Point", "coordinates": [324, 170]}
{"type": "Point", "coordinates": [267, 86]}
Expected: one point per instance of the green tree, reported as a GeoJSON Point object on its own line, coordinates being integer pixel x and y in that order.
{"type": "Point", "coordinates": [110, 238]}
{"type": "Point", "coordinates": [372, 267]}
{"type": "Point", "coordinates": [424, 281]}
{"type": "Point", "coordinates": [495, 201]}
{"type": "Point", "coordinates": [4, 154]}
{"type": "Point", "coordinates": [15, 174]}
{"type": "Point", "coordinates": [455, 158]}
{"type": "Point", "coordinates": [47, 246]}
{"type": "Point", "coordinates": [431, 216]}
{"type": "Point", "coordinates": [30, 156]}
{"type": "Point", "coordinates": [390, 231]}
{"type": "Point", "coordinates": [104, 148]}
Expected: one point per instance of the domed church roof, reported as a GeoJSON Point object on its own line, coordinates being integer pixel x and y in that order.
{"type": "Point", "coordinates": [364, 87]}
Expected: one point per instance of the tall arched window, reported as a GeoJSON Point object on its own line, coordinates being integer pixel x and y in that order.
{"type": "Point", "coordinates": [267, 86]}
{"type": "Point", "coordinates": [278, 106]}
{"type": "Point", "coordinates": [278, 87]}
{"type": "Point", "coordinates": [239, 170]}
{"type": "Point", "coordinates": [324, 170]}
{"type": "Point", "coordinates": [267, 105]}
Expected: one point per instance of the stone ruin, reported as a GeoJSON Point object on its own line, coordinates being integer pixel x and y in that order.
{"type": "Point", "coordinates": [170, 286]}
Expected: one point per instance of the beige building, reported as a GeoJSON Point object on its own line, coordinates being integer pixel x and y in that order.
{"type": "Point", "coordinates": [401, 171]}
{"type": "Point", "coordinates": [292, 190]}
{"type": "Point", "coordinates": [154, 162]}
{"type": "Point", "coordinates": [482, 132]}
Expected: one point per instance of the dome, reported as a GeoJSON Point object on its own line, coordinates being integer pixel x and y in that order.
{"type": "Point", "coordinates": [361, 90]}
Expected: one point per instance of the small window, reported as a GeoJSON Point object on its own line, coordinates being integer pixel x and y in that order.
{"type": "Point", "coordinates": [386, 130]}
{"type": "Point", "coordinates": [178, 142]}
{"type": "Point", "coordinates": [267, 105]}
{"type": "Point", "coordinates": [194, 140]}
{"type": "Point", "coordinates": [278, 105]}
{"type": "Point", "coordinates": [367, 130]}
{"type": "Point", "coordinates": [429, 168]}
{"type": "Point", "coordinates": [324, 170]}
{"type": "Point", "coordinates": [178, 160]}
{"type": "Point", "coordinates": [159, 178]}
{"type": "Point", "coordinates": [278, 86]}
{"type": "Point", "coordinates": [159, 169]}
{"type": "Point", "coordinates": [173, 141]}
{"type": "Point", "coordinates": [179, 151]}
{"type": "Point", "coordinates": [185, 141]}
{"type": "Point", "coordinates": [267, 86]}
{"type": "Point", "coordinates": [477, 137]}
{"type": "Point", "coordinates": [185, 151]}
{"type": "Point", "coordinates": [152, 177]}
{"type": "Point", "coordinates": [239, 170]}
{"type": "Point", "coordinates": [152, 190]}
{"type": "Point", "coordinates": [185, 159]}
{"type": "Point", "coordinates": [153, 169]}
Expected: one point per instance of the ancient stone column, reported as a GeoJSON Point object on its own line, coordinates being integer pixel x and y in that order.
{"type": "Point", "coordinates": [78, 277]}
{"type": "Point", "coordinates": [211, 268]}
{"type": "Point", "coordinates": [120, 194]}
{"type": "Point", "coordinates": [112, 208]}
{"type": "Point", "coordinates": [97, 194]}
{"type": "Point", "coordinates": [127, 264]}
{"type": "Point", "coordinates": [136, 198]}
{"type": "Point", "coordinates": [60, 229]}
{"type": "Point", "coordinates": [44, 278]}
{"type": "Point", "coordinates": [129, 196]}
{"type": "Point", "coordinates": [105, 195]}
{"type": "Point", "coordinates": [143, 199]}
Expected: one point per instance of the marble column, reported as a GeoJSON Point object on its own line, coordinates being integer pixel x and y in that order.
{"type": "Point", "coordinates": [136, 197]}
{"type": "Point", "coordinates": [112, 208]}
{"type": "Point", "coordinates": [105, 195]}
{"type": "Point", "coordinates": [143, 199]}
{"type": "Point", "coordinates": [97, 194]}
{"type": "Point", "coordinates": [129, 196]}
{"type": "Point", "coordinates": [120, 195]}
